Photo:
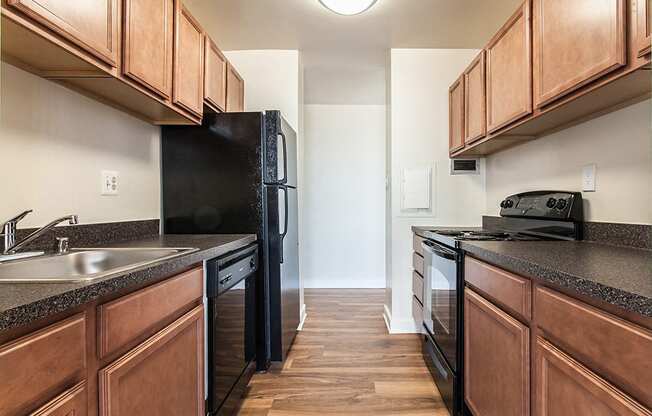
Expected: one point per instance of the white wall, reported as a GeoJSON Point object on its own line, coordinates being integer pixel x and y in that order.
{"type": "Point", "coordinates": [271, 80]}
{"type": "Point", "coordinates": [618, 143]}
{"type": "Point", "coordinates": [53, 145]}
{"type": "Point", "coordinates": [419, 84]}
{"type": "Point", "coordinates": [344, 237]}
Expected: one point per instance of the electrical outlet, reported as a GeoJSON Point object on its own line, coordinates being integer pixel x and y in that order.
{"type": "Point", "coordinates": [110, 182]}
{"type": "Point", "coordinates": [588, 178]}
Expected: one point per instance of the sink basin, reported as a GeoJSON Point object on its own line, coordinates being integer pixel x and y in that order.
{"type": "Point", "coordinates": [83, 265]}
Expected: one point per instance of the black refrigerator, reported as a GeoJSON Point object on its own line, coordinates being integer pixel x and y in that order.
{"type": "Point", "coordinates": [235, 174]}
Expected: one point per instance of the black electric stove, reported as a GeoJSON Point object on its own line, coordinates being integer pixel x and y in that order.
{"type": "Point", "coordinates": [530, 216]}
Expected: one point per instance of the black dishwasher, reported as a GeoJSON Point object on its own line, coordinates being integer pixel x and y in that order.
{"type": "Point", "coordinates": [230, 289]}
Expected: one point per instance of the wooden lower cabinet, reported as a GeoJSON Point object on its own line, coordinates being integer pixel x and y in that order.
{"type": "Point", "coordinates": [564, 387]}
{"type": "Point", "coordinates": [163, 376]}
{"type": "Point", "coordinates": [73, 402]}
{"type": "Point", "coordinates": [496, 360]}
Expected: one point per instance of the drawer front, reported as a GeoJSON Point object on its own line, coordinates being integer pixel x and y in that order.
{"type": "Point", "coordinates": [416, 244]}
{"type": "Point", "coordinates": [564, 386]}
{"type": "Point", "coordinates": [41, 365]}
{"type": "Point", "coordinates": [417, 263]}
{"type": "Point", "coordinates": [142, 313]}
{"type": "Point", "coordinates": [73, 402]}
{"type": "Point", "coordinates": [417, 310]}
{"type": "Point", "coordinates": [417, 286]}
{"type": "Point", "coordinates": [511, 290]}
{"type": "Point", "coordinates": [615, 349]}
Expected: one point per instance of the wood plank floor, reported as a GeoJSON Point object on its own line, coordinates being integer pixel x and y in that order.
{"type": "Point", "coordinates": [345, 363]}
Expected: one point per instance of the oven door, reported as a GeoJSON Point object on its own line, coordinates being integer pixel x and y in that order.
{"type": "Point", "coordinates": [440, 300]}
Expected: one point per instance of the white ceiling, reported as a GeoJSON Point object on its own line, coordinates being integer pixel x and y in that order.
{"type": "Point", "coordinates": [344, 56]}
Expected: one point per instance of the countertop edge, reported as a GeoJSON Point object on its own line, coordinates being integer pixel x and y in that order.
{"type": "Point", "coordinates": [34, 311]}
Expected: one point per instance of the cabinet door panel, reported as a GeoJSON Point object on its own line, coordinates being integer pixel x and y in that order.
{"type": "Point", "coordinates": [91, 24]}
{"type": "Point", "coordinates": [575, 42]}
{"type": "Point", "coordinates": [188, 61]}
{"type": "Point", "coordinates": [163, 376]}
{"type": "Point", "coordinates": [643, 11]}
{"type": "Point", "coordinates": [496, 360]}
{"type": "Point", "coordinates": [234, 91]}
{"type": "Point", "coordinates": [73, 402]}
{"type": "Point", "coordinates": [214, 76]}
{"type": "Point", "coordinates": [148, 37]}
{"type": "Point", "coordinates": [565, 387]}
{"type": "Point", "coordinates": [509, 71]}
{"type": "Point", "coordinates": [456, 115]}
{"type": "Point", "coordinates": [475, 99]}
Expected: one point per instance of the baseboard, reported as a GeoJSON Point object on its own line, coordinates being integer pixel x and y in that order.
{"type": "Point", "coordinates": [344, 283]}
{"type": "Point", "coordinates": [304, 315]}
{"type": "Point", "coordinates": [396, 326]}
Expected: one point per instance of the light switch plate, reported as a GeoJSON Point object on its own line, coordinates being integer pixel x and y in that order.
{"type": "Point", "coordinates": [588, 178]}
{"type": "Point", "coordinates": [110, 183]}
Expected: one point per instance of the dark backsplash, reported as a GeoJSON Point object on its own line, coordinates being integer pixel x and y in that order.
{"type": "Point", "coordinates": [92, 234]}
{"type": "Point", "coordinates": [627, 235]}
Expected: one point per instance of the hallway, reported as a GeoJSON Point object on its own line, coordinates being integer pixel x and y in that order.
{"type": "Point", "coordinates": [344, 362]}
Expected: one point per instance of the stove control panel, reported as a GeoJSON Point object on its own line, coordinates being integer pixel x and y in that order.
{"type": "Point", "coordinates": [554, 205]}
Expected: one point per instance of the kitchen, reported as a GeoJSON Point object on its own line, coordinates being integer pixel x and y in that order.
{"type": "Point", "coordinates": [298, 207]}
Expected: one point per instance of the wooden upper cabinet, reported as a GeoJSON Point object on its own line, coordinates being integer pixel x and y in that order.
{"type": "Point", "coordinates": [148, 39]}
{"type": "Point", "coordinates": [162, 376]}
{"type": "Point", "coordinates": [565, 387]}
{"type": "Point", "coordinates": [188, 71]}
{"type": "Point", "coordinates": [234, 91]}
{"type": "Point", "coordinates": [496, 360]}
{"type": "Point", "coordinates": [643, 11]}
{"type": "Point", "coordinates": [214, 76]}
{"type": "Point", "coordinates": [475, 99]}
{"type": "Point", "coordinates": [92, 25]}
{"type": "Point", "coordinates": [574, 43]}
{"type": "Point", "coordinates": [509, 71]}
{"type": "Point", "coordinates": [456, 115]}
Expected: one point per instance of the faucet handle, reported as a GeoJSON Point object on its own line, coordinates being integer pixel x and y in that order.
{"type": "Point", "coordinates": [19, 217]}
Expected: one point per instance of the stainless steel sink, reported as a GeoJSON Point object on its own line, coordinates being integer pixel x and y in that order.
{"type": "Point", "coordinates": [83, 265]}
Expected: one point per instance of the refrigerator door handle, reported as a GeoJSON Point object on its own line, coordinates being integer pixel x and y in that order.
{"type": "Point", "coordinates": [286, 218]}
{"type": "Point", "coordinates": [284, 180]}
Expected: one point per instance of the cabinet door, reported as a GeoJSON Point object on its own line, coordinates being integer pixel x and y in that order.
{"type": "Point", "coordinates": [509, 71]}
{"type": "Point", "coordinates": [565, 387]}
{"type": "Point", "coordinates": [214, 76]}
{"type": "Point", "coordinates": [163, 376]}
{"type": "Point", "coordinates": [643, 10]}
{"type": "Point", "coordinates": [496, 360]}
{"type": "Point", "coordinates": [148, 37]}
{"type": "Point", "coordinates": [234, 91]}
{"type": "Point", "coordinates": [575, 42]}
{"type": "Point", "coordinates": [475, 99]}
{"type": "Point", "coordinates": [73, 402]}
{"type": "Point", "coordinates": [456, 115]}
{"type": "Point", "coordinates": [90, 24]}
{"type": "Point", "coordinates": [188, 61]}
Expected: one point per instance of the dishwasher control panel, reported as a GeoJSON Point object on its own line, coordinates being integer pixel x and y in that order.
{"type": "Point", "coordinates": [227, 271]}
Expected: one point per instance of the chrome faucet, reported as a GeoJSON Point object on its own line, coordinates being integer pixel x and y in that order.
{"type": "Point", "coordinates": [9, 231]}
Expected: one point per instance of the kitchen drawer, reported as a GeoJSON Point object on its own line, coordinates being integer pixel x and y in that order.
{"type": "Point", "coordinates": [73, 402]}
{"type": "Point", "coordinates": [416, 244]}
{"type": "Point", "coordinates": [617, 350]}
{"type": "Point", "coordinates": [417, 286]}
{"type": "Point", "coordinates": [37, 367]}
{"type": "Point", "coordinates": [142, 313]}
{"type": "Point", "coordinates": [564, 386]}
{"type": "Point", "coordinates": [417, 311]}
{"type": "Point", "coordinates": [417, 263]}
{"type": "Point", "coordinates": [510, 290]}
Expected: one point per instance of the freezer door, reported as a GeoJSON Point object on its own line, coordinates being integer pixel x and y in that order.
{"type": "Point", "coordinates": [290, 302]}
{"type": "Point", "coordinates": [281, 151]}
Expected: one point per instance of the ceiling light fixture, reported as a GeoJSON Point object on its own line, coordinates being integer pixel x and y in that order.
{"type": "Point", "coordinates": [348, 7]}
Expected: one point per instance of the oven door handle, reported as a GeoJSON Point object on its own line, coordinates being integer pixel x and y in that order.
{"type": "Point", "coordinates": [439, 250]}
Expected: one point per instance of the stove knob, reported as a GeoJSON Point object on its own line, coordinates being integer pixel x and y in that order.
{"type": "Point", "coordinates": [561, 204]}
{"type": "Point", "coordinates": [502, 204]}
{"type": "Point", "coordinates": [551, 203]}
{"type": "Point", "coordinates": [509, 203]}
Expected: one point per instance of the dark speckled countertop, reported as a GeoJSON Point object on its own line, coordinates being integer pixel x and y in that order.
{"type": "Point", "coordinates": [22, 303]}
{"type": "Point", "coordinates": [620, 276]}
